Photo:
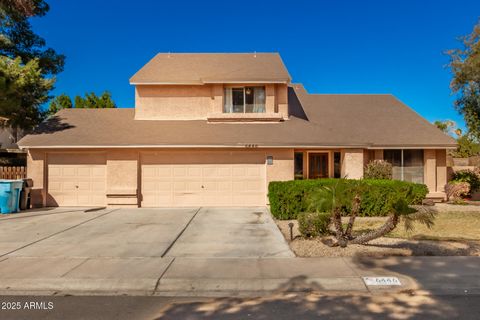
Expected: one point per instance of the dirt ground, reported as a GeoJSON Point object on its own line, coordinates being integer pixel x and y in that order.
{"type": "Point", "coordinates": [318, 247]}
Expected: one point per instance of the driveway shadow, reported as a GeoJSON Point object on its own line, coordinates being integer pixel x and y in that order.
{"type": "Point", "coordinates": [295, 301]}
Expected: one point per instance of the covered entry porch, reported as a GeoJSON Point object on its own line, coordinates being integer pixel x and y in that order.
{"type": "Point", "coordinates": [416, 165]}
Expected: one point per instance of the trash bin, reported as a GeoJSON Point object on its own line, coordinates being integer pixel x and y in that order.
{"type": "Point", "coordinates": [25, 194]}
{"type": "Point", "coordinates": [10, 195]}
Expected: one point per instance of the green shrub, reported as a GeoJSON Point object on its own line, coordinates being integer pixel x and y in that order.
{"type": "Point", "coordinates": [469, 176]}
{"type": "Point", "coordinates": [313, 224]}
{"type": "Point", "coordinates": [289, 198]}
{"type": "Point", "coordinates": [378, 169]}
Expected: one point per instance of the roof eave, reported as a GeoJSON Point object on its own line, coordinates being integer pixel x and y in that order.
{"type": "Point", "coordinates": [193, 82]}
{"type": "Point", "coordinates": [243, 145]}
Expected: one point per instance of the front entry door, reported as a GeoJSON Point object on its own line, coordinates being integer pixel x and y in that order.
{"type": "Point", "coordinates": [317, 165]}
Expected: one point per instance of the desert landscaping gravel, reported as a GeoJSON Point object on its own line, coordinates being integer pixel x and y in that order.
{"type": "Point", "coordinates": [318, 247]}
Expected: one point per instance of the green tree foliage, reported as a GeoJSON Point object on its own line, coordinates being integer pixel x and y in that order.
{"type": "Point", "coordinates": [467, 143]}
{"type": "Point", "coordinates": [93, 101]}
{"type": "Point", "coordinates": [465, 66]}
{"type": "Point", "coordinates": [58, 103]}
{"type": "Point", "coordinates": [26, 66]}
{"type": "Point", "coordinates": [90, 101]}
{"type": "Point", "coordinates": [467, 147]}
{"type": "Point", "coordinates": [18, 40]}
{"type": "Point", "coordinates": [448, 127]}
{"type": "Point", "coordinates": [23, 89]}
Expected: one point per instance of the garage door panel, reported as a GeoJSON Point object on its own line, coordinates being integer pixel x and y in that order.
{"type": "Point", "coordinates": [203, 184]}
{"type": "Point", "coordinates": [194, 171]}
{"type": "Point", "coordinates": [149, 171]}
{"type": "Point", "coordinates": [150, 185]}
{"type": "Point", "coordinates": [238, 171]}
{"type": "Point", "coordinates": [224, 172]}
{"type": "Point", "coordinates": [84, 186]}
{"type": "Point", "coordinates": [73, 183]}
{"type": "Point", "coordinates": [252, 171]}
{"type": "Point", "coordinates": [185, 199]}
{"type": "Point", "coordinates": [55, 171]}
{"type": "Point", "coordinates": [84, 172]}
{"type": "Point", "coordinates": [98, 172]}
{"type": "Point", "coordinates": [98, 186]}
{"type": "Point", "coordinates": [252, 185]}
{"type": "Point", "coordinates": [68, 171]}
{"type": "Point", "coordinates": [164, 186]}
{"type": "Point", "coordinates": [179, 171]}
{"type": "Point", "coordinates": [66, 186]}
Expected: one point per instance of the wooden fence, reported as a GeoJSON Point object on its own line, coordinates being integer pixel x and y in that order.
{"type": "Point", "coordinates": [13, 172]}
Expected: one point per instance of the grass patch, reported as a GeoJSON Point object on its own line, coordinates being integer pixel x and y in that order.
{"type": "Point", "coordinates": [448, 226]}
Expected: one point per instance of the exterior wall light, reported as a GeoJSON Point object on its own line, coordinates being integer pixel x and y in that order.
{"type": "Point", "coordinates": [269, 160]}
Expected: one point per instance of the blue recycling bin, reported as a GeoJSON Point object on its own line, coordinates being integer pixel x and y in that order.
{"type": "Point", "coordinates": [10, 195]}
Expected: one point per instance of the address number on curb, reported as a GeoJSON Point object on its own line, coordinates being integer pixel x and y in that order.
{"type": "Point", "coordinates": [381, 281]}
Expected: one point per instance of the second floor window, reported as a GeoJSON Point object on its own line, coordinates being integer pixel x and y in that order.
{"type": "Point", "coordinates": [244, 100]}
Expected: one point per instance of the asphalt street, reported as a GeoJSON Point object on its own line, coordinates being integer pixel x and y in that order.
{"type": "Point", "coordinates": [282, 306]}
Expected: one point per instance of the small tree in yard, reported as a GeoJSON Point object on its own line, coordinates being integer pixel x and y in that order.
{"type": "Point", "coordinates": [401, 212]}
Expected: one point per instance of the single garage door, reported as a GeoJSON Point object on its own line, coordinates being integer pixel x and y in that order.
{"type": "Point", "coordinates": [76, 180]}
{"type": "Point", "coordinates": [203, 179]}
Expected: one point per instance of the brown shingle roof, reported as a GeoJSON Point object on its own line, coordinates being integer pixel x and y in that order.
{"type": "Point", "coordinates": [317, 120]}
{"type": "Point", "coordinates": [199, 68]}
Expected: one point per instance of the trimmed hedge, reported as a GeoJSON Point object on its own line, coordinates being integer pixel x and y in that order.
{"type": "Point", "coordinates": [289, 198]}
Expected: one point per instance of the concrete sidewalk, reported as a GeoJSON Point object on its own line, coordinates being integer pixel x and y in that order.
{"type": "Point", "coordinates": [233, 276]}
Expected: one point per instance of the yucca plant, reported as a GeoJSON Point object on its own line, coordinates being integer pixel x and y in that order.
{"type": "Point", "coordinates": [343, 198]}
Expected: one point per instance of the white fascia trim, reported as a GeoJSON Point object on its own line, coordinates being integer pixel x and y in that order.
{"type": "Point", "coordinates": [410, 147]}
{"type": "Point", "coordinates": [167, 83]}
{"type": "Point", "coordinates": [206, 82]}
{"type": "Point", "coordinates": [243, 146]}
{"type": "Point", "coordinates": [247, 82]}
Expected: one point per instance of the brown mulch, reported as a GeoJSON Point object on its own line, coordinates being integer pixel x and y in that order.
{"type": "Point", "coordinates": [319, 247]}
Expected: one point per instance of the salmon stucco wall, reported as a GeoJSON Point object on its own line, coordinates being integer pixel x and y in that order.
{"type": "Point", "coordinates": [352, 163]}
{"type": "Point", "coordinates": [282, 168]}
{"type": "Point", "coordinates": [435, 171]}
{"type": "Point", "coordinates": [441, 156]}
{"type": "Point", "coordinates": [35, 171]}
{"type": "Point", "coordinates": [122, 178]}
{"type": "Point", "coordinates": [198, 102]}
{"type": "Point", "coordinates": [174, 102]}
{"type": "Point", "coordinates": [430, 169]}
{"type": "Point", "coordinates": [281, 102]}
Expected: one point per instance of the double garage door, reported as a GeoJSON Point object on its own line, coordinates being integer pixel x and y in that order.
{"type": "Point", "coordinates": [168, 179]}
{"type": "Point", "coordinates": [203, 179]}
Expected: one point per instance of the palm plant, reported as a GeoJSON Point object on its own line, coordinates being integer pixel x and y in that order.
{"type": "Point", "coordinates": [342, 198]}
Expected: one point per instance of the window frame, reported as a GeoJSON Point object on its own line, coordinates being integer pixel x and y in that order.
{"type": "Point", "coordinates": [402, 162]}
{"type": "Point", "coordinates": [245, 99]}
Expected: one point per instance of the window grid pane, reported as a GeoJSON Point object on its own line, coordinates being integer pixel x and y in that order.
{"type": "Point", "coordinates": [412, 169]}
{"type": "Point", "coordinates": [244, 100]}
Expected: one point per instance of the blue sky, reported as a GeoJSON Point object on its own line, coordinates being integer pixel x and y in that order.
{"type": "Point", "coordinates": [329, 46]}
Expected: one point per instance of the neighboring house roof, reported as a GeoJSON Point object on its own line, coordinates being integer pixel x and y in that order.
{"type": "Point", "coordinates": [200, 68]}
{"type": "Point", "coordinates": [326, 120]}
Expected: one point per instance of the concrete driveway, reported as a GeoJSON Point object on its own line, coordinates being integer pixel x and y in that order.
{"type": "Point", "coordinates": [137, 233]}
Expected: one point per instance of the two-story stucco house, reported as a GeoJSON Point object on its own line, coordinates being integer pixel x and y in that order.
{"type": "Point", "coordinates": [215, 129]}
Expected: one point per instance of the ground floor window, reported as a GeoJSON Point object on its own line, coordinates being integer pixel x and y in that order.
{"type": "Point", "coordinates": [407, 164]}
{"type": "Point", "coordinates": [337, 169]}
{"type": "Point", "coordinates": [298, 165]}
